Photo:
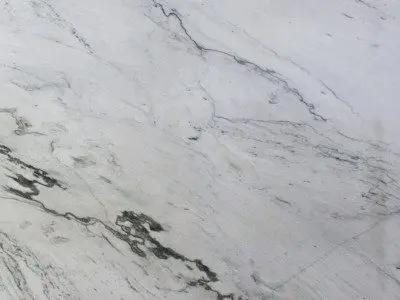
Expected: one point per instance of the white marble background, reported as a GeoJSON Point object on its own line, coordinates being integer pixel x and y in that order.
{"type": "Point", "coordinates": [199, 149]}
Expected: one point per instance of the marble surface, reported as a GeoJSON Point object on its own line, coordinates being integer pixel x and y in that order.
{"type": "Point", "coordinates": [199, 149]}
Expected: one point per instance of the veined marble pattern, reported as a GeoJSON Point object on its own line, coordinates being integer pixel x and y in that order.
{"type": "Point", "coordinates": [197, 149]}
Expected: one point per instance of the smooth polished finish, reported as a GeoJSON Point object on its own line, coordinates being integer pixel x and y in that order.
{"type": "Point", "coordinates": [199, 149]}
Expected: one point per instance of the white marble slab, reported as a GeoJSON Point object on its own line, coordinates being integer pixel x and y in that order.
{"type": "Point", "coordinates": [199, 149]}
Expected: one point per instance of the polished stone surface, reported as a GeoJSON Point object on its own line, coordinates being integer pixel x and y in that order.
{"type": "Point", "coordinates": [199, 149]}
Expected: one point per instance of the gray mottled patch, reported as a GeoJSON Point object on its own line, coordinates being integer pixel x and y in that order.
{"type": "Point", "coordinates": [59, 240]}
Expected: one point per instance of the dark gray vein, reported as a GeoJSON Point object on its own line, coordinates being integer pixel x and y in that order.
{"type": "Point", "coordinates": [22, 123]}
{"type": "Point", "coordinates": [39, 5]}
{"type": "Point", "coordinates": [265, 72]}
{"type": "Point", "coordinates": [133, 229]}
{"type": "Point", "coordinates": [13, 255]}
{"type": "Point", "coordinates": [365, 3]}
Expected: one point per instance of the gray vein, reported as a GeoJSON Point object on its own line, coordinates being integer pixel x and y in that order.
{"type": "Point", "coordinates": [265, 72]}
